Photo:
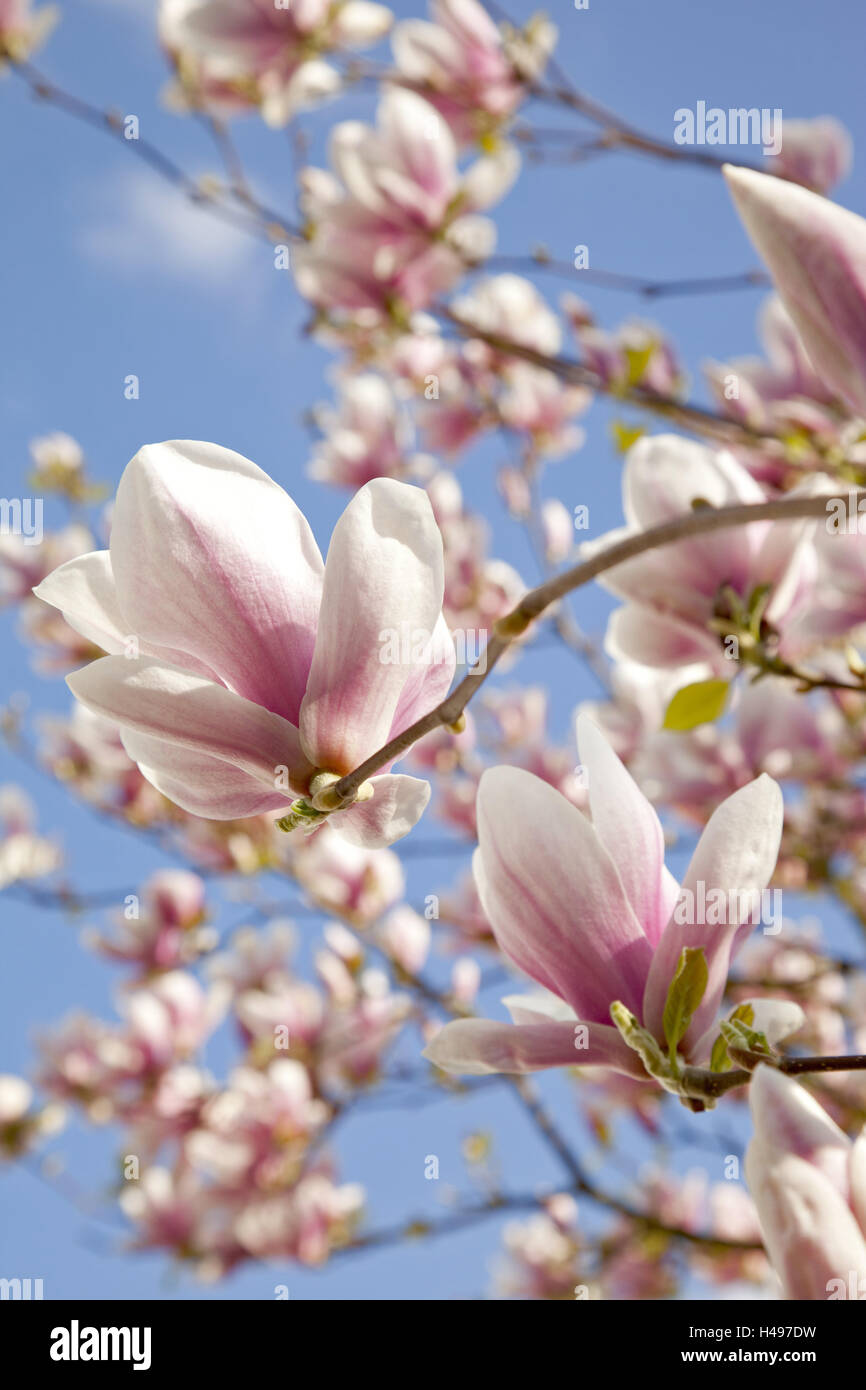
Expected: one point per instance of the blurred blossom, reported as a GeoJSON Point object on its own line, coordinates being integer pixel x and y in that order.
{"type": "Point", "coordinates": [366, 437]}
{"type": "Point", "coordinates": [166, 930]}
{"type": "Point", "coordinates": [23, 854]}
{"type": "Point", "coordinates": [400, 222]}
{"type": "Point", "coordinates": [232, 54]}
{"type": "Point", "coordinates": [23, 1123]}
{"type": "Point", "coordinates": [473, 72]}
{"type": "Point", "coordinates": [356, 883]}
{"type": "Point", "coordinates": [817, 153]}
{"type": "Point", "coordinates": [23, 28]}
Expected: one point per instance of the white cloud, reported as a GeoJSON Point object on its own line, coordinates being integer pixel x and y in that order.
{"type": "Point", "coordinates": [138, 223]}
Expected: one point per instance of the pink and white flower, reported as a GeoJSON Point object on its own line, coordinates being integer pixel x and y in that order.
{"type": "Point", "coordinates": [22, 30]}
{"type": "Point", "coordinates": [366, 437]}
{"type": "Point", "coordinates": [816, 254]}
{"type": "Point", "coordinates": [236, 53]}
{"type": "Point", "coordinates": [400, 222]}
{"type": "Point", "coordinates": [808, 1181]}
{"type": "Point", "coordinates": [586, 909]}
{"type": "Point", "coordinates": [473, 72]}
{"type": "Point", "coordinates": [817, 152]}
{"type": "Point", "coordinates": [241, 666]}
{"type": "Point", "coordinates": [676, 596]}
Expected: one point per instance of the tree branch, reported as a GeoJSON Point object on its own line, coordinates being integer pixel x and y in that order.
{"type": "Point", "coordinates": [700, 522]}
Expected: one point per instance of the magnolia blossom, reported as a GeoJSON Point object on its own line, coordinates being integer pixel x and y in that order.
{"type": "Point", "coordinates": [406, 937]}
{"type": "Point", "coordinates": [751, 389]}
{"type": "Point", "coordinates": [165, 930]}
{"type": "Point", "coordinates": [400, 222]}
{"type": "Point", "coordinates": [241, 666]}
{"type": "Point", "coordinates": [816, 254]}
{"type": "Point", "coordinates": [58, 465]}
{"type": "Point", "coordinates": [635, 354]}
{"type": "Point", "coordinates": [809, 1184]}
{"type": "Point", "coordinates": [817, 153]}
{"type": "Point", "coordinates": [253, 1129]}
{"type": "Point", "coordinates": [352, 881]}
{"type": "Point", "coordinates": [22, 30]}
{"type": "Point", "coordinates": [235, 52]}
{"type": "Point", "coordinates": [478, 589]}
{"type": "Point", "coordinates": [838, 608]}
{"type": "Point", "coordinates": [23, 854]}
{"type": "Point", "coordinates": [366, 437]}
{"type": "Point", "coordinates": [587, 911]}
{"type": "Point", "coordinates": [510, 307]}
{"type": "Point", "coordinates": [304, 1223]}
{"type": "Point", "coordinates": [473, 73]}
{"type": "Point", "coordinates": [23, 565]}
{"type": "Point", "coordinates": [23, 1122]}
{"type": "Point", "coordinates": [541, 1255]}
{"type": "Point", "coordinates": [682, 598]}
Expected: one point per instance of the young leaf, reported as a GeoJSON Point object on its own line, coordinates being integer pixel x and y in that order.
{"type": "Point", "coordinates": [719, 1059]}
{"type": "Point", "coordinates": [685, 992]}
{"type": "Point", "coordinates": [696, 704]}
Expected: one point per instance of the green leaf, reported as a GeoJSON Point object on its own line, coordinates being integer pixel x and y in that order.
{"type": "Point", "coordinates": [743, 1013]}
{"type": "Point", "coordinates": [685, 992]}
{"type": "Point", "coordinates": [719, 1059]}
{"type": "Point", "coordinates": [644, 1044]}
{"type": "Point", "coordinates": [699, 703]}
{"type": "Point", "coordinates": [637, 361]}
{"type": "Point", "coordinates": [743, 1041]}
{"type": "Point", "coordinates": [626, 435]}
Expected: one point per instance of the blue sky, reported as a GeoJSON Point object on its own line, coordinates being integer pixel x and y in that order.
{"type": "Point", "coordinates": [106, 272]}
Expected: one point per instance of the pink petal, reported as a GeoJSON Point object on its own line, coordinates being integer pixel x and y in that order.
{"type": "Point", "coordinates": [665, 473]}
{"type": "Point", "coordinates": [429, 682]}
{"type": "Point", "coordinates": [200, 784]}
{"type": "Point", "coordinates": [816, 254]}
{"type": "Point", "coordinates": [382, 599]}
{"type": "Point", "coordinates": [84, 591]}
{"type": "Point", "coordinates": [212, 558]}
{"type": "Point", "coordinates": [857, 1178]}
{"type": "Point", "coordinates": [787, 1119]}
{"type": "Point", "coordinates": [637, 633]}
{"type": "Point", "coordinates": [554, 897]}
{"type": "Point", "coordinates": [810, 1233]}
{"type": "Point", "coordinates": [629, 829]}
{"type": "Point", "coordinates": [149, 697]}
{"type": "Point", "coordinates": [477, 1046]}
{"type": "Point", "coordinates": [736, 853]}
{"type": "Point", "coordinates": [397, 805]}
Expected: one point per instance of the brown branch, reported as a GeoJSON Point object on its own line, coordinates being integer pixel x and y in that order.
{"type": "Point", "coordinates": [634, 284]}
{"type": "Point", "coordinates": [694, 418]}
{"type": "Point", "coordinates": [257, 220]}
{"type": "Point", "coordinates": [702, 521]}
{"type": "Point", "coordinates": [699, 1082]}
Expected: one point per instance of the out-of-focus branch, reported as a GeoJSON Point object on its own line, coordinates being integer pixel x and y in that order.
{"type": "Point", "coordinates": [693, 418]}
{"type": "Point", "coordinates": [251, 217]}
{"type": "Point", "coordinates": [265, 223]}
{"type": "Point", "coordinates": [633, 284]}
